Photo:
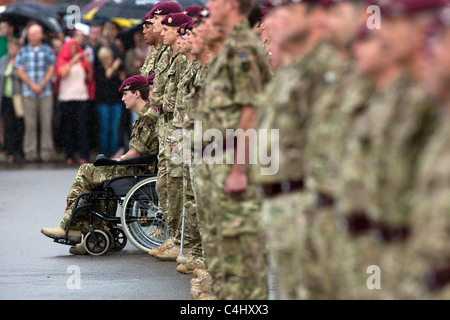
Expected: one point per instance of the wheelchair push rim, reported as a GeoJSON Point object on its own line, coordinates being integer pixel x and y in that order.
{"type": "Point", "coordinates": [141, 217]}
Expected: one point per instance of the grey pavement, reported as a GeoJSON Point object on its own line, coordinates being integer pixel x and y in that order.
{"type": "Point", "coordinates": [32, 266]}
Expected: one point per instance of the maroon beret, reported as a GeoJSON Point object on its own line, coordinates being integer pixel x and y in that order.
{"type": "Point", "coordinates": [363, 33]}
{"type": "Point", "coordinates": [186, 26]}
{"type": "Point", "coordinates": [133, 83]}
{"type": "Point", "coordinates": [408, 8]}
{"type": "Point", "coordinates": [150, 78]}
{"type": "Point", "coordinates": [147, 19]}
{"type": "Point", "coordinates": [175, 19]}
{"type": "Point", "coordinates": [327, 3]}
{"type": "Point", "coordinates": [192, 10]}
{"type": "Point", "coordinates": [203, 14]}
{"type": "Point", "coordinates": [278, 3]}
{"type": "Point", "coordinates": [263, 13]}
{"type": "Point", "coordinates": [165, 7]}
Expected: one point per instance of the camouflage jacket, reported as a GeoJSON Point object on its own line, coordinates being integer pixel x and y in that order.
{"type": "Point", "coordinates": [407, 134]}
{"type": "Point", "coordinates": [159, 83]}
{"type": "Point", "coordinates": [429, 202]}
{"type": "Point", "coordinates": [333, 112]}
{"type": "Point", "coordinates": [143, 135]}
{"type": "Point", "coordinates": [185, 86]}
{"type": "Point", "coordinates": [285, 105]}
{"type": "Point", "coordinates": [177, 65]}
{"type": "Point", "coordinates": [153, 57]}
{"type": "Point", "coordinates": [237, 73]}
{"type": "Point", "coordinates": [365, 141]}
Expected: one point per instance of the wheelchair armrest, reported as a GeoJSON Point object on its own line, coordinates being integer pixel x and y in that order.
{"type": "Point", "coordinates": [139, 161]}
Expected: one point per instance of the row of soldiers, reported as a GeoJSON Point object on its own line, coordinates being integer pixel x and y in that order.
{"type": "Point", "coordinates": [357, 206]}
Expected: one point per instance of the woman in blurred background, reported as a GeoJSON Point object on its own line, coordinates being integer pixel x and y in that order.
{"type": "Point", "coordinates": [109, 106]}
{"type": "Point", "coordinates": [74, 74]}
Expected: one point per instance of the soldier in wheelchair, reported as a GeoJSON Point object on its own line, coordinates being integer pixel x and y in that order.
{"type": "Point", "coordinates": [129, 181]}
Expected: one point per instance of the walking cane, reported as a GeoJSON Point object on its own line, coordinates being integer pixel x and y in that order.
{"type": "Point", "coordinates": [183, 217]}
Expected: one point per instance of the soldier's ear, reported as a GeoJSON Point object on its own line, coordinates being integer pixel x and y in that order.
{"type": "Point", "coordinates": [233, 4]}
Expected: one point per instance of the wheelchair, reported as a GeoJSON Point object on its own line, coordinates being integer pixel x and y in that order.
{"type": "Point", "coordinates": [141, 220]}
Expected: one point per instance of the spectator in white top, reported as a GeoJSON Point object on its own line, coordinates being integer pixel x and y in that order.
{"type": "Point", "coordinates": [74, 73]}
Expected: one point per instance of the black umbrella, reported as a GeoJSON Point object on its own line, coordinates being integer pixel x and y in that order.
{"type": "Point", "coordinates": [125, 9]}
{"type": "Point", "coordinates": [131, 9]}
{"type": "Point", "coordinates": [20, 13]}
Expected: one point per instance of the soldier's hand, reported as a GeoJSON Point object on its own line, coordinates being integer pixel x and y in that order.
{"type": "Point", "coordinates": [236, 182]}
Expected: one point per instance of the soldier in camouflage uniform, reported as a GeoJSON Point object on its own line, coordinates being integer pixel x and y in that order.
{"type": "Point", "coordinates": [205, 46]}
{"type": "Point", "coordinates": [153, 39]}
{"type": "Point", "coordinates": [193, 256]}
{"type": "Point", "coordinates": [431, 196]}
{"type": "Point", "coordinates": [263, 33]}
{"type": "Point", "coordinates": [161, 67]}
{"type": "Point", "coordinates": [408, 134]}
{"type": "Point", "coordinates": [207, 41]}
{"type": "Point", "coordinates": [174, 174]}
{"type": "Point", "coordinates": [343, 91]}
{"type": "Point", "coordinates": [228, 201]}
{"type": "Point", "coordinates": [380, 165]}
{"type": "Point", "coordinates": [143, 141]}
{"type": "Point", "coordinates": [285, 105]}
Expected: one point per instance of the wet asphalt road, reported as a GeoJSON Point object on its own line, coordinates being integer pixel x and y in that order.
{"type": "Point", "coordinates": [33, 267]}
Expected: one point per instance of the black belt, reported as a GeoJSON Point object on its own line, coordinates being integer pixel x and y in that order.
{"type": "Point", "coordinates": [360, 223]}
{"type": "Point", "coordinates": [274, 189]}
{"type": "Point", "coordinates": [325, 200]}
{"type": "Point", "coordinates": [227, 144]}
{"type": "Point", "coordinates": [438, 278]}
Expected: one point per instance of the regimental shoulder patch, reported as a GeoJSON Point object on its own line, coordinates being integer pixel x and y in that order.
{"type": "Point", "coordinates": [245, 65]}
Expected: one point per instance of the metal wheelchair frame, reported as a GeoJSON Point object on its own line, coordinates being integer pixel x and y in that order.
{"type": "Point", "coordinates": [141, 219]}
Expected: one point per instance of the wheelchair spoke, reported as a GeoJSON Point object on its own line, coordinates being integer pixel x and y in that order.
{"type": "Point", "coordinates": [141, 216]}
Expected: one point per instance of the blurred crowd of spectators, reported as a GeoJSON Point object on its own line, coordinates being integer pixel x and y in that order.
{"type": "Point", "coordinates": [59, 92]}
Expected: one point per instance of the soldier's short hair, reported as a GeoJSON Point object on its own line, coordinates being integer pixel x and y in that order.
{"type": "Point", "coordinates": [145, 92]}
{"type": "Point", "coordinates": [245, 6]}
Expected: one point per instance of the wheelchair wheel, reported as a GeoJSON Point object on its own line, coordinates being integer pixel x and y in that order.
{"type": "Point", "coordinates": [118, 239]}
{"type": "Point", "coordinates": [97, 243]}
{"type": "Point", "coordinates": [141, 217]}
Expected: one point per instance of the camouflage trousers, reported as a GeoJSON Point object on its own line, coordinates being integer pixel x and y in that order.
{"type": "Point", "coordinates": [169, 184]}
{"type": "Point", "coordinates": [315, 256]}
{"type": "Point", "coordinates": [90, 178]}
{"type": "Point", "coordinates": [428, 249]}
{"type": "Point", "coordinates": [192, 238]}
{"type": "Point", "coordinates": [285, 223]}
{"type": "Point", "coordinates": [232, 239]}
{"type": "Point", "coordinates": [161, 177]}
{"type": "Point", "coordinates": [174, 180]}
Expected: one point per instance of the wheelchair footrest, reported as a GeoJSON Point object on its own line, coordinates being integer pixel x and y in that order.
{"type": "Point", "coordinates": [65, 241]}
